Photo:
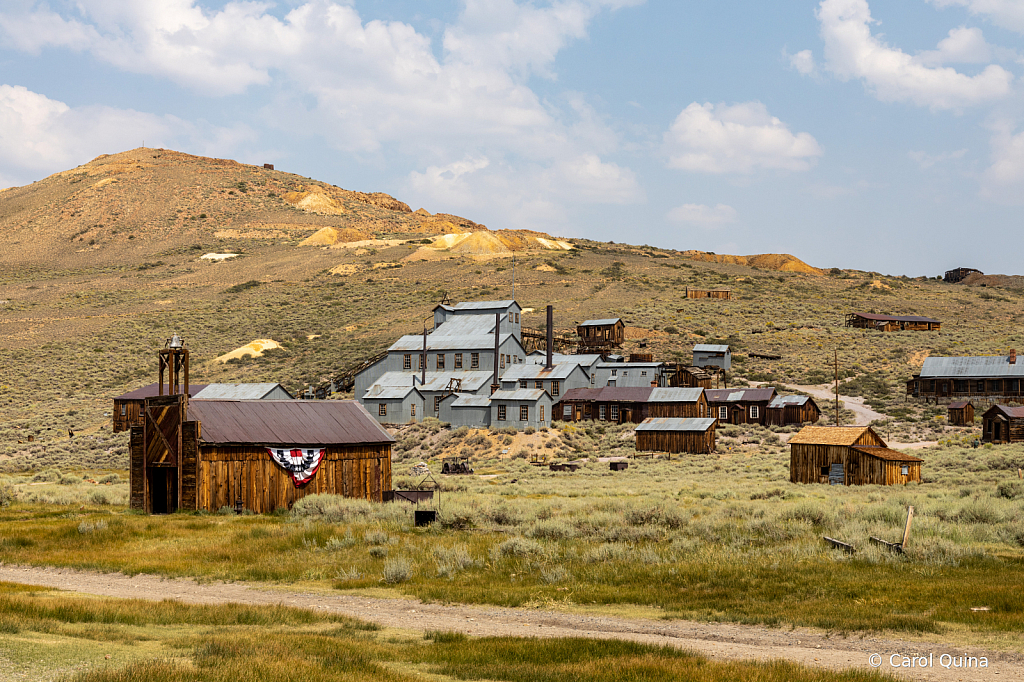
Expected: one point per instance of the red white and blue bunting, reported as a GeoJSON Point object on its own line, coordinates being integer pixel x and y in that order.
{"type": "Point", "coordinates": [301, 463]}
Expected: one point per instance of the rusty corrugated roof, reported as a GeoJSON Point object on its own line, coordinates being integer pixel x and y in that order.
{"type": "Point", "coordinates": [887, 454]}
{"type": "Point", "coordinates": [1012, 412]}
{"type": "Point", "coordinates": [151, 392]}
{"type": "Point", "coordinates": [286, 422]}
{"type": "Point", "coordinates": [733, 395]}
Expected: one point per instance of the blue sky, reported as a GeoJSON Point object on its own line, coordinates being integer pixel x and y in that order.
{"type": "Point", "coordinates": [853, 133]}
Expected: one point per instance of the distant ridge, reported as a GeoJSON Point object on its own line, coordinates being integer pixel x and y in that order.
{"type": "Point", "coordinates": [783, 262]}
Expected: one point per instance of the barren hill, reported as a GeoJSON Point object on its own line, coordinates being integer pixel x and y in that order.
{"type": "Point", "coordinates": [764, 261]}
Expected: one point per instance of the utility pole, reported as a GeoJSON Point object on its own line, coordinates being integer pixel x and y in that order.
{"type": "Point", "coordinates": [837, 386]}
{"type": "Point", "coordinates": [513, 275]}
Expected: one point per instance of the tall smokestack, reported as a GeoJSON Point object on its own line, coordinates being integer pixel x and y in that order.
{"type": "Point", "coordinates": [1013, 356]}
{"type": "Point", "coordinates": [497, 346]}
{"type": "Point", "coordinates": [423, 360]}
{"type": "Point", "coordinates": [551, 337]}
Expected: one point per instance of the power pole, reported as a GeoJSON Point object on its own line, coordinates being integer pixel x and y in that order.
{"type": "Point", "coordinates": [837, 386]}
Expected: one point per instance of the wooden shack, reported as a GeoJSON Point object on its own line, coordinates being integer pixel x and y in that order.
{"type": "Point", "coordinates": [259, 455]}
{"type": "Point", "coordinates": [674, 435]}
{"type": "Point", "coordinates": [1003, 424]}
{"type": "Point", "coordinates": [128, 407]}
{"type": "Point", "coordinates": [992, 378]}
{"type": "Point", "coordinates": [959, 274]}
{"type": "Point", "coordinates": [892, 323]}
{"type": "Point", "coordinates": [691, 377]}
{"type": "Point", "coordinates": [621, 404]}
{"type": "Point", "coordinates": [960, 413]}
{"type": "Point", "coordinates": [848, 455]}
{"type": "Point", "coordinates": [786, 410]}
{"type": "Point", "coordinates": [722, 294]}
{"type": "Point", "coordinates": [739, 405]}
{"type": "Point", "coordinates": [598, 334]}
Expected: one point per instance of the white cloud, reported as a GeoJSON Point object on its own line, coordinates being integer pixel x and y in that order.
{"type": "Point", "coordinates": [736, 139]}
{"type": "Point", "coordinates": [963, 46]}
{"type": "Point", "coordinates": [926, 161]}
{"type": "Point", "coordinates": [1004, 179]}
{"type": "Point", "coordinates": [703, 215]}
{"type": "Point", "coordinates": [892, 75]}
{"type": "Point", "coordinates": [1006, 13]}
{"type": "Point", "coordinates": [803, 62]}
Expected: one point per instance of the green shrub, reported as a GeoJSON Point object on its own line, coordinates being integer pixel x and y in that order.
{"type": "Point", "coordinates": [397, 571]}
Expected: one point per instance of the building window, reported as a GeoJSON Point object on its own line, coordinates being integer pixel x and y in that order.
{"type": "Point", "coordinates": [510, 318]}
{"type": "Point", "coordinates": [382, 409]}
{"type": "Point", "coordinates": [517, 318]}
{"type": "Point", "coordinates": [538, 384]}
{"type": "Point", "coordinates": [753, 411]}
{"type": "Point", "coordinates": [522, 383]}
{"type": "Point", "coordinates": [625, 373]}
{"type": "Point", "coordinates": [567, 412]}
{"type": "Point", "coordinates": [905, 470]}
{"type": "Point", "coordinates": [437, 404]}
{"type": "Point", "coordinates": [501, 413]}
{"type": "Point", "coordinates": [420, 361]}
{"type": "Point", "coordinates": [412, 410]}
{"type": "Point", "coordinates": [458, 361]}
{"type": "Point", "coordinates": [643, 373]}
{"type": "Point", "coordinates": [503, 361]}
{"type": "Point", "coordinates": [824, 471]}
{"type": "Point", "coordinates": [542, 413]}
{"type": "Point", "coordinates": [407, 361]}
{"type": "Point", "coordinates": [615, 413]}
{"type": "Point", "coordinates": [587, 410]}
{"type": "Point", "coordinates": [440, 360]}
{"type": "Point", "coordinates": [615, 372]}
{"type": "Point", "coordinates": [124, 409]}
{"type": "Point", "coordinates": [723, 413]}
{"type": "Point", "coordinates": [592, 379]}
{"type": "Point", "coordinates": [960, 385]}
{"type": "Point", "coordinates": [700, 410]}
{"type": "Point", "coordinates": [601, 412]}
{"type": "Point", "coordinates": [555, 388]}
{"type": "Point", "coordinates": [524, 413]}
{"type": "Point", "coordinates": [995, 386]}
{"type": "Point", "coordinates": [474, 361]}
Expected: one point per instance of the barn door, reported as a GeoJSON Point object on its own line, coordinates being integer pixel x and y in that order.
{"type": "Point", "coordinates": [162, 449]}
{"type": "Point", "coordinates": [836, 475]}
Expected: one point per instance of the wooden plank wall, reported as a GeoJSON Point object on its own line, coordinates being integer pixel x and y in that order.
{"type": "Point", "coordinates": [137, 468]}
{"type": "Point", "coordinates": [189, 465]}
{"type": "Point", "coordinates": [226, 474]}
{"type": "Point", "coordinates": [807, 461]}
{"type": "Point", "coordinates": [131, 417]}
{"type": "Point", "coordinates": [689, 442]}
{"type": "Point", "coordinates": [681, 410]}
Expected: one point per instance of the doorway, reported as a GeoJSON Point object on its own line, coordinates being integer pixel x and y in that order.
{"type": "Point", "coordinates": [163, 489]}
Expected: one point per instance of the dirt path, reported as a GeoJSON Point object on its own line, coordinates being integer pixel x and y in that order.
{"type": "Point", "coordinates": [716, 640]}
{"type": "Point", "coordinates": [825, 394]}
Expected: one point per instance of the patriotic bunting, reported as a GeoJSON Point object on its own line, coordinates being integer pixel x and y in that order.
{"type": "Point", "coordinates": [301, 463]}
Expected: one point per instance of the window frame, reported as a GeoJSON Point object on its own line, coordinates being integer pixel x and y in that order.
{"type": "Point", "coordinates": [502, 413]}
{"type": "Point", "coordinates": [382, 409]}
{"type": "Point", "coordinates": [440, 361]}
{"type": "Point", "coordinates": [474, 360]}
{"type": "Point", "coordinates": [556, 388]}
{"type": "Point", "coordinates": [723, 413]}
{"type": "Point", "coordinates": [754, 414]}
{"type": "Point", "coordinates": [524, 413]}
{"type": "Point", "coordinates": [407, 361]}
{"type": "Point", "coordinates": [458, 361]}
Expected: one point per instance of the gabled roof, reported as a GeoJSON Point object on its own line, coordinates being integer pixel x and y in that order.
{"type": "Point", "coordinates": [600, 323]}
{"type": "Point", "coordinates": [286, 422]}
{"type": "Point", "coordinates": [532, 371]}
{"type": "Point", "coordinates": [1011, 412]}
{"type": "Point", "coordinates": [700, 424]}
{"type": "Point", "coordinates": [435, 342]}
{"type": "Point", "coordinates": [484, 305]}
{"type": "Point", "coordinates": [629, 365]}
{"type": "Point", "coordinates": [739, 395]}
{"type": "Point", "coordinates": [465, 325]}
{"type": "Point", "coordinates": [886, 454]}
{"type": "Point", "coordinates": [675, 395]}
{"type": "Point", "coordinates": [622, 394]}
{"type": "Point", "coordinates": [151, 392]}
{"type": "Point", "coordinates": [238, 391]}
{"type": "Point", "coordinates": [469, 400]}
{"type": "Point", "coordinates": [896, 318]}
{"type": "Point", "coordinates": [784, 400]}
{"type": "Point", "coordinates": [524, 394]}
{"type": "Point", "coordinates": [376, 392]}
{"type": "Point", "coordinates": [829, 435]}
{"type": "Point", "coordinates": [472, 380]}
{"type": "Point", "coordinates": [710, 348]}
{"type": "Point", "coordinates": [960, 404]}
{"type": "Point", "coordinates": [971, 367]}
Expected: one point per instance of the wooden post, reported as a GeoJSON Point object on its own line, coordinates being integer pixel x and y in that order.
{"type": "Point", "coordinates": [906, 530]}
{"type": "Point", "coordinates": [837, 387]}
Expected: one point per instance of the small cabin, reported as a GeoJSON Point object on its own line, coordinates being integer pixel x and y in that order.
{"type": "Point", "coordinates": [713, 356]}
{"type": "Point", "coordinates": [721, 294]}
{"type": "Point", "coordinates": [848, 455]}
{"type": "Point", "coordinates": [739, 405]}
{"type": "Point", "coordinates": [959, 274]}
{"type": "Point", "coordinates": [892, 323]}
{"type": "Point", "coordinates": [786, 410]}
{"type": "Point", "coordinates": [607, 333]}
{"type": "Point", "coordinates": [960, 413]}
{"type": "Point", "coordinates": [674, 435]}
{"type": "Point", "coordinates": [1003, 424]}
{"type": "Point", "coordinates": [522, 408]}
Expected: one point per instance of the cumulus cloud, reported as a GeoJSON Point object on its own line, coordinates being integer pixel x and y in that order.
{"type": "Point", "coordinates": [1004, 179]}
{"type": "Point", "coordinates": [740, 138]}
{"type": "Point", "coordinates": [803, 62]}
{"type": "Point", "coordinates": [851, 51]}
{"type": "Point", "coordinates": [703, 215]}
{"type": "Point", "coordinates": [1006, 13]}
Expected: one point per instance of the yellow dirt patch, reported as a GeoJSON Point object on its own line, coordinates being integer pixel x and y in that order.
{"type": "Point", "coordinates": [918, 358]}
{"type": "Point", "coordinates": [315, 202]}
{"type": "Point", "coordinates": [329, 236]}
{"type": "Point", "coordinates": [255, 349]}
{"type": "Point", "coordinates": [782, 262]}
{"type": "Point", "coordinates": [877, 284]}
{"type": "Point", "coordinates": [104, 182]}
{"type": "Point", "coordinates": [372, 243]}
{"type": "Point", "coordinates": [344, 269]}
{"type": "Point", "coordinates": [545, 268]}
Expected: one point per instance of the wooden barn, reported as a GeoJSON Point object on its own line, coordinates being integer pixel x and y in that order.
{"type": "Point", "coordinates": [992, 378]}
{"type": "Point", "coordinates": [692, 436]}
{"type": "Point", "coordinates": [960, 413]}
{"type": "Point", "coordinates": [1003, 424]}
{"type": "Point", "coordinates": [259, 455]}
{"type": "Point", "coordinates": [740, 405]}
{"type": "Point", "coordinates": [785, 410]}
{"type": "Point", "coordinates": [959, 274]}
{"type": "Point", "coordinates": [723, 294]}
{"type": "Point", "coordinates": [128, 407]}
{"type": "Point", "coordinates": [597, 334]}
{"type": "Point", "coordinates": [848, 455]}
{"type": "Point", "coordinates": [690, 377]}
{"type": "Point", "coordinates": [892, 323]}
{"type": "Point", "coordinates": [621, 405]}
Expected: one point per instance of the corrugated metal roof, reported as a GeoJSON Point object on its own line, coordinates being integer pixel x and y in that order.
{"type": "Point", "coordinates": [286, 422]}
{"type": "Point", "coordinates": [887, 454]}
{"type": "Point", "coordinates": [1012, 412]}
{"type": "Point", "coordinates": [237, 391]}
{"type": "Point", "coordinates": [896, 318]}
{"type": "Point", "coordinates": [465, 325]}
{"type": "Point", "coordinates": [828, 435]}
{"type": "Point", "coordinates": [628, 365]}
{"type": "Point", "coordinates": [472, 380]}
{"type": "Point", "coordinates": [700, 424]}
{"type": "Point", "coordinates": [623, 394]}
{"type": "Point", "coordinates": [600, 323]}
{"type": "Point", "coordinates": [519, 394]}
{"type": "Point", "coordinates": [151, 392]}
{"type": "Point", "coordinates": [389, 392]}
{"type": "Point", "coordinates": [675, 395]}
{"type": "Point", "coordinates": [972, 367]}
{"type": "Point", "coordinates": [710, 348]}
{"type": "Point", "coordinates": [784, 400]}
{"type": "Point", "coordinates": [469, 400]}
{"type": "Point", "coordinates": [734, 395]}
{"type": "Point", "coordinates": [959, 404]}
{"type": "Point", "coordinates": [473, 342]}
{"type": "Point", "coordinates": [532, 372]}
{"type": "Point", "coordinates": [483, 305]}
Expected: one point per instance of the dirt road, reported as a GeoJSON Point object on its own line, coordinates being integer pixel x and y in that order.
{"type": "Point", "coordinates": [826, 399]}
{"type": "Point", "coordinates": [716, 640]}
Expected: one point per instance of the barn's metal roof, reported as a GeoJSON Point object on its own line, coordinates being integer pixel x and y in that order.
{"type": "Point", "coordinates": [710, 348]}
{"type": "Point", "coordinates": [896, 318]}
{"type": "Point", "coordinates": [389, 392]}
{"type": "Point", "coordinates": [784, 400]}
{"type": "Point", "coordinates": [484, 305]}
{"type": "Point", "coordinates": [628, 365]}
{"type": "Point", "coordinates": [699, 424]}
{"type": "Point", "coordinates": [624, 394]}
{"type": "Point", "coordinates": [736, 395]}
{"type": "Point", "coordinates": [237, 391]}
{"type": "Point", "coordinates": [972, 367]}
{"type": "Point", "coordinates": [286, 422]}
{"type": "Point", "coordinates": [465, 325]}
{"type": "Point", "coordinates": [469, 400]}
{"type": "Point", "coordinates": [519, 394]}
{"type": "Point", "coordinates": [600, 323]}
{"type": "Point", "coordinates": [887, 454]}
{"type": "Point", "coordinates": [151, 392]}
{"type": "Point", "coordinates": [959, 404]}
{"type": "Point", "coordinates": [435, 342]}
{"type": "Point", "coordinates": [675, 395]}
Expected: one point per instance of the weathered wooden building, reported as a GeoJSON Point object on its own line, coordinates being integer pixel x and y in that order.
{"type": "Point", "coordinates": [960, 413]}
{"type": "Point", "coordinates": [259, 455]}
{"type": "Point", "coordinates": [722, 294]}
{"type": "Point", "coordinates": [848, 455]}
{"type": "Point", "coordinates": [786, 410]}
{"type": "Point", "coordinates": [1003, 424]}
{"type": "Point", "coordinates": [959, 274]}
{"type": "Point", "coordinates": [739, 405]}
{"type": "Point", "coordinates": [892, 323]}
{"type": "Point", "coordinates": [601, 334]}
{"type": "Point", "coordinates": [128, 407]}
{"type": "Point", "coordinates": [989, 378]}
{"type": "Point", "coordinates": [622, 405]}
{"type": "Point", "coordinates": [693, 436]}
{"type": "Point", "coordinates": [712, 356]}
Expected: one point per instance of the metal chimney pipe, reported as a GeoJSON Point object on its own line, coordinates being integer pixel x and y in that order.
{"type": "Point", "coordinates": [497, 346]}
{"type": "Point", "coordinates": [423, 360]}
{"type": "Point", "coordinates": [551, 337]}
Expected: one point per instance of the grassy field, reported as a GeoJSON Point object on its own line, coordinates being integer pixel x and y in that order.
{"type": "Point", "coordinates": [46, 633]}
